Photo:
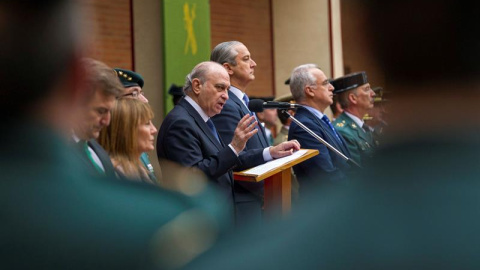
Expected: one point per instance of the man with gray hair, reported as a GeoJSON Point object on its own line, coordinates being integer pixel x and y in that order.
{"type": "Point", "coordinates": [189, 137]}
{"type": "Point", "coordinates": [311, 88]}
{"type": "Point", "coordinates": [356, 98]}
{"type": "Point", "coordinates": [236, 59]}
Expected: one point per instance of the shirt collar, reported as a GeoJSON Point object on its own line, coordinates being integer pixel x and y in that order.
{"type": "Point", "coordinates": [355, 119]}
{"type": "Point", "coordinates": [316, 112]}
{"type": "Point", "coordinates": [197, 108]}
{"type": "Point", "coordinates": [237, 92]}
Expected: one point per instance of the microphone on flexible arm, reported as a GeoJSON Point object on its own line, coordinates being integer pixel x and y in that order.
{"type": "Point", "coordinates": [257, 105]}
{"type": "Point", "coordinates": [320, 139]}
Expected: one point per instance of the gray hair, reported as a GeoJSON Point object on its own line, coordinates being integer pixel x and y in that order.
{"type": "Point", "coordinates": [225, 53]}
{"type": "Point", "coordinates": [343, 98]}
{"type": "Point", "coordinates": [300, 78]}
{"type": "Point", "coordinates": [199, 72]}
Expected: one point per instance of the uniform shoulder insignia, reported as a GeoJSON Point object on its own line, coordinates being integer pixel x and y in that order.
{"type": "Point", "coordinates": [340, 124]}
{"type": "Point", "coordinates": [354, 126]}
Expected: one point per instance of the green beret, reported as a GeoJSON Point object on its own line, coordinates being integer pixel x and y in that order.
{"type": "Point", "coordinates": [349, 82]}
{"type": "Point", "coordinates": [129, 78]}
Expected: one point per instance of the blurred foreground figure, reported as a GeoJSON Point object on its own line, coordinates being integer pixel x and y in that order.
{"type": "Point", "coordinates": [418, 208]}
{"type": "Point", "coordinates": [55, 215]}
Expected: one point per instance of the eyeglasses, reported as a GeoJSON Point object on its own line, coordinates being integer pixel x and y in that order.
{"type": "Point", "coordinates": [324, 83]}
{"type": "Point", "coordinates": [134, 94]}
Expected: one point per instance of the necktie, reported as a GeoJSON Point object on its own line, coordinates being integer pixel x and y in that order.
{"type": "Point", "coordinates": [89, 155]}
{"type": "Point", "coordinates": [246, 99]}
{"type": "Point", "coordinates": [326, 120]}
{"type": "Point", "coordinates": [212, 129]}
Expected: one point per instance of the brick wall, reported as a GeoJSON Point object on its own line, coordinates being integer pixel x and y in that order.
{"type": "Point", "coordinates": [111, 23]}
{"type": "Point", "coordinates": [249, 22]}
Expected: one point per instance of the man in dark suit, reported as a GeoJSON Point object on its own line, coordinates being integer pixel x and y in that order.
{"type": "Point", "coordinates": [188, 136]}
{"type": "Point", "coordinates": [236, 59]}
{"type": "Point", "coordinates": [311, 88]}
{"type": "Point", "coordinates": [55, 214]}
{"type": "Point", "coordinates": [356, 98]}
{"type": "Point", "coordinates": [416, 206]}
{"type": "Point", "coordinates": [103, 88]}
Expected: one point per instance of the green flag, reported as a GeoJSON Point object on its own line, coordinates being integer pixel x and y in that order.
{"type": "Point", "coordinates": [187, 40]}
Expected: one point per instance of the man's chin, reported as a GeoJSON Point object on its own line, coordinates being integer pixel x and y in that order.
{"type": "Point", "coordinates": [95, 135]}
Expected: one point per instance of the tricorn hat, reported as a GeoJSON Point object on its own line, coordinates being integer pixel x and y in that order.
{"type": "Point", "coordinates": [175, 90]}
{"type": "Point", "coordinates": [129, 78]}
{"type": "Point", "coordinates": [349, 82]}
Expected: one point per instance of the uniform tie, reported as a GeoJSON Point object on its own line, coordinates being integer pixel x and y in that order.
{"type": "Point", "coordinates": [212, 129]}
{"type": "Point", "coordinates": [89, 155]}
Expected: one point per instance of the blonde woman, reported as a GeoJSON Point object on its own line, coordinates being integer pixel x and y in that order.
{"type": "Point", "coordinates": [129, 134]}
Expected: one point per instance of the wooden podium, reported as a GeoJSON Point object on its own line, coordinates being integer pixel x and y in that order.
{"type": "Point", "coordinates": [278, 185]}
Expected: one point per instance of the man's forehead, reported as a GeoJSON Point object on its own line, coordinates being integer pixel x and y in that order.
{"type": "Point", "coordinates": [241, 50]}
{"type": "Point", "coordinates": [317, 73]}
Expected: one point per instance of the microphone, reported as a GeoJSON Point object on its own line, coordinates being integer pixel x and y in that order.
{"type": "Point", "coordinates": [257, 105]}
{"type": "Point", "coordinates": [320, 139]}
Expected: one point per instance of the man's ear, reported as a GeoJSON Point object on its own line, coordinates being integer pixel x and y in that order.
{"type": "Point", "coordinates": [309, 91]}
{"type": "Point", "coordinates": [228, 67]}
{"type": "Point", "coordinates": [196, 86]}
{"type": "Point", "coordinates": [352, 98]}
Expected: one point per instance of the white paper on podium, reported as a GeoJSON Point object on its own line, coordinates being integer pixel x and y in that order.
{"type": "Point", "coordinates": [273, 164]}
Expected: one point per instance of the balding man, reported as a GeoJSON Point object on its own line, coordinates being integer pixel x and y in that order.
{"type": "Point", "coordinates": [189, 137]}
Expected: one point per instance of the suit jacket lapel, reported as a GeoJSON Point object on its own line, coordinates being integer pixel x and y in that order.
{"type": "Point", "coordinates": [331, 136]}
{"type": "Point", "coordinates": [262, 134]}
{"type": "Point", "coordinates": [201, 124]}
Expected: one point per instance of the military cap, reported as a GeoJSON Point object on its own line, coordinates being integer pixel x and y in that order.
{"type": "Point", "coordinates": [175, 90]}
{"type": "Point", "coordinates": [269, 98]}
{"type": "Point", "coordinates": [284, 98]}
{"type": "Point", "coordinates": [349, 82]}
{"type": "Point", "coordinates": [129, 78]}
{"type": "Point", "coordinates": [379, 94]}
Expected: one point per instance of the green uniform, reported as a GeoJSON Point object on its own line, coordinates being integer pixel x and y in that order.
{"type": "Point", "coordinates": [359, 142]}
{"type": "Point", "coordinates": [148, 165]}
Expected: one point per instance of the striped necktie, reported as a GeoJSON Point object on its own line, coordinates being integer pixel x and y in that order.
{"type": "Point", "coordinates": [246, 99]}
{"type": "Point", "coordinates": [92, 160]}
{"type": "Point", "coordinates": [326, 120]}
{"type": "Point", "coordinates": [213, 129]}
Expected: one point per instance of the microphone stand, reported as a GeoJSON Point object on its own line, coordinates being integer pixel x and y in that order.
{"type": "Point", "coordinates": [320, 139]}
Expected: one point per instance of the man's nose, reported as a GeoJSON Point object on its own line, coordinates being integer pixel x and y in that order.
{"type": "Point", "coordinates": [142, 98]}
{"type": "Point", "coordinates": [106, 119]}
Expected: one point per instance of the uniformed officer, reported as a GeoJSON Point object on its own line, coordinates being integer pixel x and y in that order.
{"type": "Point", "coordinates": [375, 119]}
{"type": "Point", "coordinates": [356, 98]}
{"type": "Point", "coordinates": [176, 92]}
{"type": "Point", "coordinates": [133, 83]}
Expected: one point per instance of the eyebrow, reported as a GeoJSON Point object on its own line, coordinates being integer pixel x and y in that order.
{"type": "Point", "coordinates": [220, 85]}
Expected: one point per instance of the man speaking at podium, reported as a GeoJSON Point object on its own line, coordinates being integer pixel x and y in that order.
{"type": "Point", "coordinates": [189, 137]}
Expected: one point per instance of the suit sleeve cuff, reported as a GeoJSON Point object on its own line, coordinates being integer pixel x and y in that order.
{"type": "Point", "coordinates": [231, 147]}
{"type": "Point", "coordinates": [266, 154]}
